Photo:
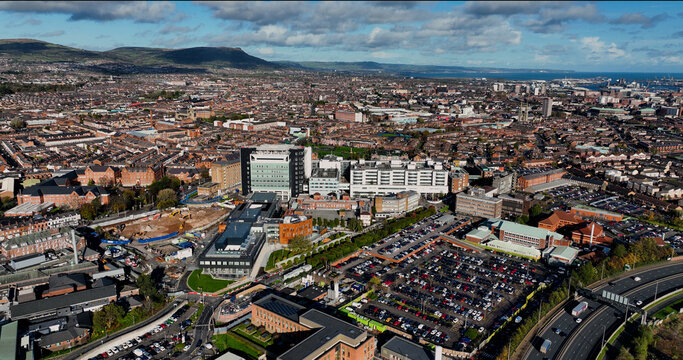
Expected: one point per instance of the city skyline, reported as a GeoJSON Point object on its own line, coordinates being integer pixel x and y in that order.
{"type": "Point", "coordinates": [579, 36]}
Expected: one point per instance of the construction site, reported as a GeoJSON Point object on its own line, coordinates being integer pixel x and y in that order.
{"type": "Point", "coordinates": [167, 222]}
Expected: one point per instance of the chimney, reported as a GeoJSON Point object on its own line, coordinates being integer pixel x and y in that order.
{"type": "Point", "coordinates": [73, 244]}
{"type": "Point", "coordinates": [592, 231]}
{"type": "Point", "coordinates": [438, 354]}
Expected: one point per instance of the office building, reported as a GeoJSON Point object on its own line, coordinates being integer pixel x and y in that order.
{"type": "Point", "coordinates": [293, 226]}
{"type": "Point", "coordinates": [396, 205]}
{"type": "Point", "coordinates": [233, 252]}
{"type": "Point", "coordinates": [372, 178]}
{"type": "Point", "coordinates": [400, 348]}
{"type": "Point", "coordinates": [459, 180]}
{"type": "Point", "coordinates": [227, 174]}
{"type": "Point", "coordinates": [281, 169]}
{"type": "Point", "coordinates": [547, 107]}
{"type": "Point", "coordinates": [475, 203]}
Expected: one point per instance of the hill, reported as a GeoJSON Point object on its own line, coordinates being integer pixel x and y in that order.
{"type": "Point", "coordinates": [39, 51]}
{"type": "Point", "coordinates": [402, 69]}
{"type": "Point", "coordinates": [34, 50]}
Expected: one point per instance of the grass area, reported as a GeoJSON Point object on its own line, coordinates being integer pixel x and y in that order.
{"type": "Point", "coordinates": [276, 256]}
{"type": "Point", "coordinates": [203, 282]}
{"type": "Point", "coordinates": [673, 308]}
{"type": "Point", "coordinates": [195, 316]}
{"type": "Point", "coordinates": [250, 332]}
{"type": "Point", "coordinates": [231, 341]}
{"type": "Point", "coordinates": [343, 151]}
{"type": "Point", "coordinates": [179, 347]}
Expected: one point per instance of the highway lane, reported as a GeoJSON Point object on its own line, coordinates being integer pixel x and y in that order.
{"type": "Point", "coordinates": [567, 324]}
{"type": "Point", "coordinates": [586, 343]}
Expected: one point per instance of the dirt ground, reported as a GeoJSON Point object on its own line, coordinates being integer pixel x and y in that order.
{"type": "Point", "coordinates": [190, 219]}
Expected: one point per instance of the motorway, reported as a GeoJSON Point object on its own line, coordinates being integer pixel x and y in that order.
{"type": "Point", "coordinates": [590, 335]}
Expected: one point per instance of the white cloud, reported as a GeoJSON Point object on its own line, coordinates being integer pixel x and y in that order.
{"type": "Point", "coordinates": [598, 49]}
{"type": "Point", "coordinates": [266, 51]}
{"type": "Point", "coordinates": [382, 55]}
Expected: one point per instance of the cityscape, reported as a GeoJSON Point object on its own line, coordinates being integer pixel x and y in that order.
{"type": "Point", "coordinates": [341, 180]}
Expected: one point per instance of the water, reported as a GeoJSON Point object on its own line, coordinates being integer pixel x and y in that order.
{"type": "Point", "coordinates": [629, 76]}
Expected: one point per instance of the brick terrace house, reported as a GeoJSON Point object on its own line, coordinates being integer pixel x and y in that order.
{"type": "Point", "coordinates": [63, 196]}
{"type": "Point", "coordinates": [141, 176]}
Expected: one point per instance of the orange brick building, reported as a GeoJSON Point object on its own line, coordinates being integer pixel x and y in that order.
{"type": "Point", "coordinates": [596, 214]}
{"type": "Point", "coordinates": [539, 178]}
{"type": "Point", "coordinates": [590, 233]}
{"type": "Point", "coordinates": [558, 220]}
{"type": "Point", "coordinates": [293, 226]}
{"type": "Point", "coordinates": [321, 336]}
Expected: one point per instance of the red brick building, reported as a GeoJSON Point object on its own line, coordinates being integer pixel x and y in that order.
{"type": "Point", "coordinates": [140, 176]}
{"type": "Point", "coordinates": [38, 243]}
{"type": "Point", "coordinates": [320, 336]}
{"type": "Point", "coordinates": [63, 196]}
{"type": "Point", "coordinates": [102, 175]}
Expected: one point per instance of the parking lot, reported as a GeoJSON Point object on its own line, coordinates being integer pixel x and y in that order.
{"type": "Point", "coordinates": [442, 291]}
{"type": "Point", "coordinates": [401, 245]}
{"type": "Point", "coordinates": [159, 343]}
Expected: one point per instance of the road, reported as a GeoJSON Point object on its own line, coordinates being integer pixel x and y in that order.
{"type": "Point", "coordinates": [202, 327]}
{"type": "Point", "coordinates": [585, 344]}
{"type": "Point", "coordinates": [592, 336]}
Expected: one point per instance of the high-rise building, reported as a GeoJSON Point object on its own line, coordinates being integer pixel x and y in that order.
{"type": "Point", "coordinates": [227, 175]}
{"type": "Point", "coordinates": [547, 107]}
{"type": "Point", "coordinates": [279, 168]}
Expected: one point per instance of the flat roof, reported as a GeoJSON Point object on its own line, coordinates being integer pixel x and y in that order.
{"type": "Point", "coordinates": [61, 301]}
{"type": "Point", "coordinates": [509, 226]}
{"type": "Point", "coordinates": [281, 306]}
{"type": "Point", "coordinates": [8, 341]}
{"type": "Point", "coordinates": [565, 252]}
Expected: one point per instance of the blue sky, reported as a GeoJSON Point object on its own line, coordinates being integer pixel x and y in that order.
{"type": "Point", "coordinates": [581, 36]}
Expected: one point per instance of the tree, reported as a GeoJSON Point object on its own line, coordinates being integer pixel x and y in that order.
{"type": "Point", "coordinates": [118, 204]}
{"type": "Point", "coordinates": [624, 354]}
{"type": "Point", "coordinates": [148, 289]}
{"type": "Point", "coordinates": [619, 251]}
{"type": "Point", "coordinates": [535, 211]}
{"type": "Point", "coordinates": [88, 212]}
{"type": "Point", "coordinates": [374, 283]}
{"type": "Point", "coordinates": [105, 318]}
{"type": "Point", "coordinates": [17, 123]}
{"type": "Point", "coordinates": [166, 198]}
{"type": "Point", "coordinates": [300, 244]}
{"type": "Point", "coordinates": [91, 182]}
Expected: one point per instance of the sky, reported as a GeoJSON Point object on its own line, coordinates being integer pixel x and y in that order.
{"type": "Point", "coordinates": [638, 36]}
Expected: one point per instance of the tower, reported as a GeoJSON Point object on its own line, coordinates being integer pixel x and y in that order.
{"type": "Point", "coordinates": [547, 107]}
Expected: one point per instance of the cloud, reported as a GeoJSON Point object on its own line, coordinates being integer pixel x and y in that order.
{"type": "Point", "coordinates": [381, 55]}
{"type": "Point", "coordinates": [677, 34]}
{"type": "Point", "coordinates": [638, 18]}
{"type": "Point", "coordinates": [51, 34]}
{"type": "Point", "coordinates": [146, 12]}
{"type": "Point", "coordinates": [266, 51]}
{"type": "Point", "coordinates": [598, 50]}
{"type": "Point", "coordinates": [170, 29]}
{"type": "Point", "coordinates": [555, 19]}
{"type": "Point", "coordinates": [318, 17]}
